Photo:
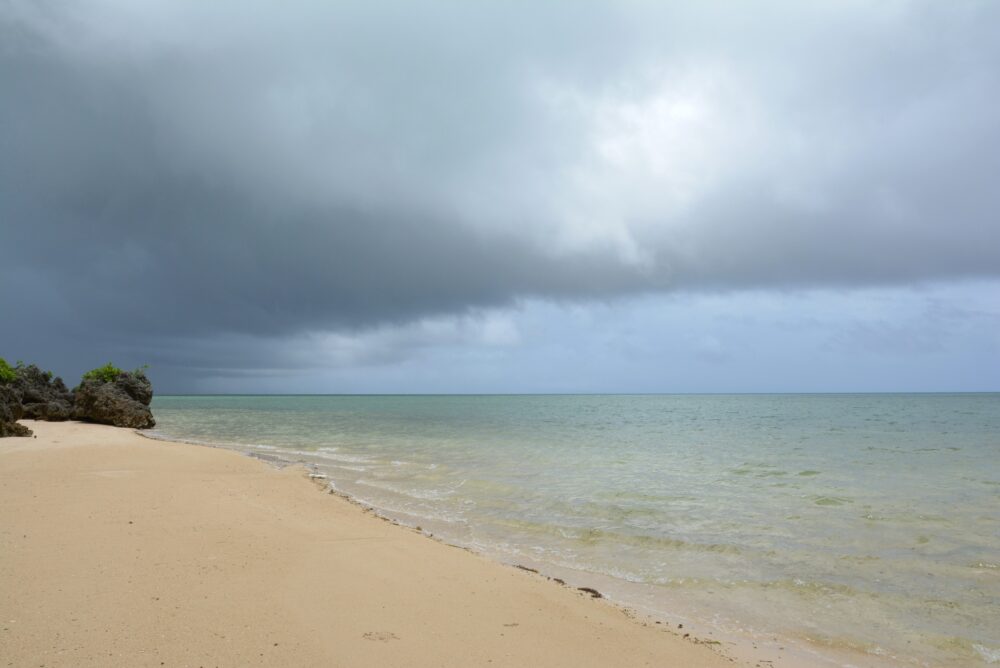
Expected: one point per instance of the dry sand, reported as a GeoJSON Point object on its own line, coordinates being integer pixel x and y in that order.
{"type": "Point", "coordinates": [117, 550]}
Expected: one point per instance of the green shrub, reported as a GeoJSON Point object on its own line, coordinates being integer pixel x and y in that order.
{"type": "Point", "coordinates": [106, 374]}
{"type": "Point", "coordinates": [7, 374]}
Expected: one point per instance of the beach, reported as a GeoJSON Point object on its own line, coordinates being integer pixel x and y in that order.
{"type": "Point", "coordinates": [118, 550]}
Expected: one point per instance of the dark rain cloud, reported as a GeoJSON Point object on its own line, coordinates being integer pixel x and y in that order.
{"type": "Point", "coordinates": [184, 171]}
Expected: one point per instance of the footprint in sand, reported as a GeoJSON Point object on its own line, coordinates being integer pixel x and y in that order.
{"type": "Point", "coordinates": [380, 636]}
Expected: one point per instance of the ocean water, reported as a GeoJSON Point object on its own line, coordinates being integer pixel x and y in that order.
{"type": "Point", "coordinates": [865, 526]}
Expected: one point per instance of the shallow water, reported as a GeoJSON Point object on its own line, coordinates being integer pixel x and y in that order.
{"type": "Point", "coordinates": [863, 522]}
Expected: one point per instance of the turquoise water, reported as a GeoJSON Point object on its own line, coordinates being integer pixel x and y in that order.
{"type": "Point", "coordinates": [867, 523]}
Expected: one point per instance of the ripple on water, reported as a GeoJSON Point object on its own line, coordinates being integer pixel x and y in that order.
{"type": "Point", "coordinates": [831, 500]}
{"type": "Point", "coordinates": [430, 494]}
{"type": "Point", "coordinates": [985, 565]}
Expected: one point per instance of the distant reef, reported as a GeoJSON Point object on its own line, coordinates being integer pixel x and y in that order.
{"type": "Point", "coordinates": [106, 395]}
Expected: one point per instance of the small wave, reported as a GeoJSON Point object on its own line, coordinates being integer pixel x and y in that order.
{"type": "Point", "coordinates": [238, 447]}
{"type": "Point", "coordinates": [831, 500]}
{"type": "Point", "coordinates": [985, 564]}
{"type": "Point", "coordinates": [351, 459]}
{"type": "Point", "coordinates": [288, 451]}
{"type": "Point", "coordinates": [397, 514]}
{"type": "Point", "coordinates": [426, 494]}
{"type": "Point", "coordinates": [552, 556]}
{"type": "Point", "coordinates": [593, 536]}
{"type": "Point", "coordinates": [813, 588]}
{"type": "Point", "coordinates": [989, 654]}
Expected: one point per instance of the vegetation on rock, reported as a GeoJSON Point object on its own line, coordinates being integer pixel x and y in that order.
{"type": "Point", "coordinates": [106, 374]}
{"type": "Point", "coordinates": [7, 374]}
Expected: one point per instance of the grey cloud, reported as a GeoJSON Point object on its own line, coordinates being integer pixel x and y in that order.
{"type": "Point", "coordinates": [184, 171]}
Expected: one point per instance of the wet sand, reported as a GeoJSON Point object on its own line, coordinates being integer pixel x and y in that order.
{"type": "Point", "coordinates": [117, 550]}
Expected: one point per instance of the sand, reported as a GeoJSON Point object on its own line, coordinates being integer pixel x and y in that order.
{"type": "Point", "coordinates": [118, 550]}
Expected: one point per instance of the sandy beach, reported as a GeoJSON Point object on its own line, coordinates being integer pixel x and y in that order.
{"type": "Point", "coordinates": [119, 550]}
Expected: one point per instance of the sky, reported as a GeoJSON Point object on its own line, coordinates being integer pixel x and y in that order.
{"type": "Point", "coordinates": [503, 196]}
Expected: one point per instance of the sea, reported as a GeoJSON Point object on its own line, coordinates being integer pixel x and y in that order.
{"type": "Point", "coordinates": [862, 529]}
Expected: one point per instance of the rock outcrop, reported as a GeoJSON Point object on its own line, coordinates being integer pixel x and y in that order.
{"type": "Point", "coordinates": [10, 412]}
{"type": "Point", "coordinates": [123, 402]}
{"type": "Point", "coordinates": [42, 396]}
{"type": "Point", "coordinates": [106, 395]}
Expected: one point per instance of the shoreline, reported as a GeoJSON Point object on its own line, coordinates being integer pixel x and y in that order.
{"type": "Point", "coordinates": [636, 600]}
{"type": "Point", "coordinates": [128, 550]}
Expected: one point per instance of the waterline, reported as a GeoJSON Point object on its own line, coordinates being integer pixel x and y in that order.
{"type": "Point", "coordinates": [858, 521]}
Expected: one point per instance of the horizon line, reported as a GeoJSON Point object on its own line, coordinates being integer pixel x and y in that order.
{"type": "Point", "coordinates": [560, 394]}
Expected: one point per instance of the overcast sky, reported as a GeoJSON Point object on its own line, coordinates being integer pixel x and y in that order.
{"type": "Point", "coordinates": [503, 196]}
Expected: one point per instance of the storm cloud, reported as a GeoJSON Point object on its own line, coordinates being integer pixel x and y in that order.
{"type": "Point", "coordinates": [193, 175]}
